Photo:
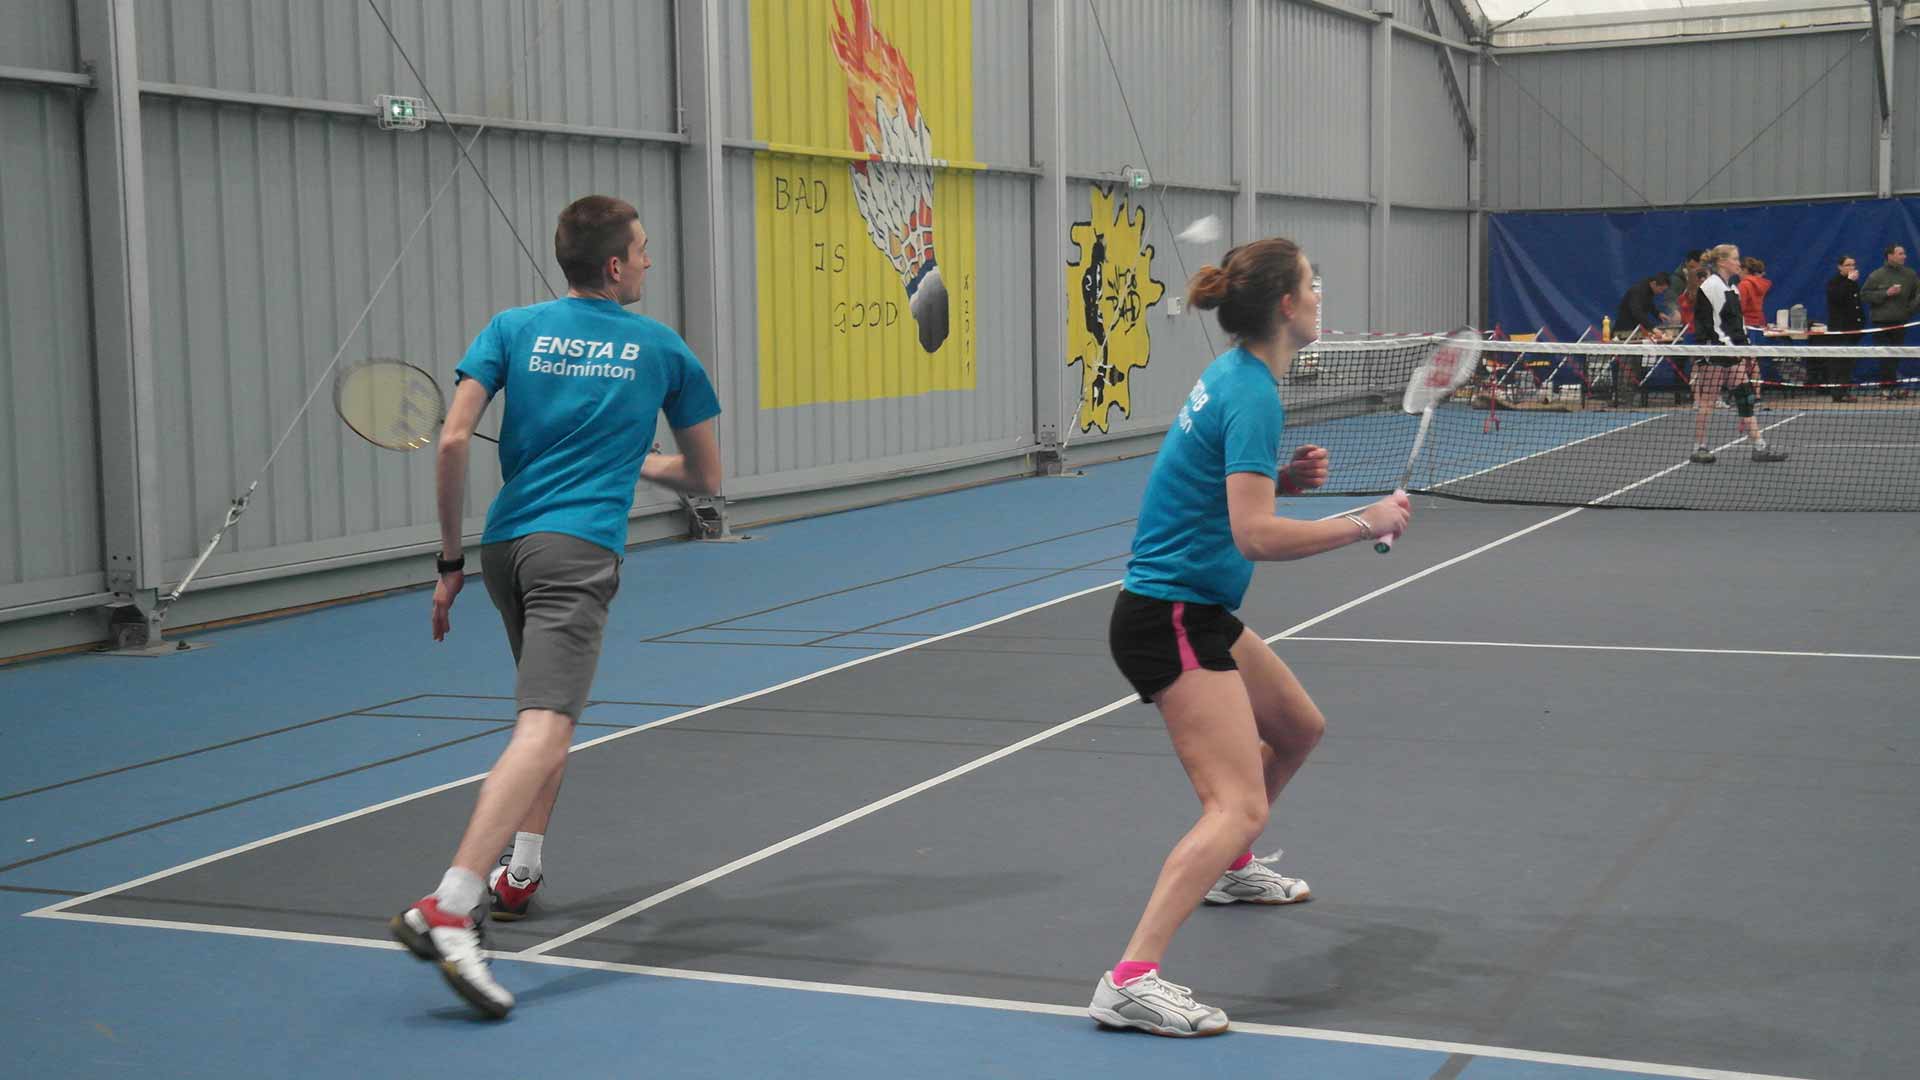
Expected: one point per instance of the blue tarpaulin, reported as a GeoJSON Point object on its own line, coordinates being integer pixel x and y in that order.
{"type": "Point", "coordinates": [1564, 271]}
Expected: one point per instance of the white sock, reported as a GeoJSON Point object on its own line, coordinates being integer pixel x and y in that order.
{"type": "Point", "coordinates": [459, 891]}
{"type": "Point", "coordinates": [1759, 442]}
{"type": "Point", "coordinates": [525, 862]}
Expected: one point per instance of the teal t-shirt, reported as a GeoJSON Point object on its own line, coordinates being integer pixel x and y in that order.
{"type": "Point", "coordinates": [586, 382]}
{"type": "Point", "coordinates": [1183, 545]}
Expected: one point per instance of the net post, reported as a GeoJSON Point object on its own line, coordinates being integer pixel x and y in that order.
{"type": "Point", "coordinates": [707, 520]}
{"type": "Point", "coordinates": [1050, 455]}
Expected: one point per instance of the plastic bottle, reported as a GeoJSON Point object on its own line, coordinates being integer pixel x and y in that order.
{"type": "Point", "coordinates": [1606, 328]}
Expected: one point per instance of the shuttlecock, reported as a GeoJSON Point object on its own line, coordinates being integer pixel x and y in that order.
{"type": "Point", "coordinates": [1203, 231]}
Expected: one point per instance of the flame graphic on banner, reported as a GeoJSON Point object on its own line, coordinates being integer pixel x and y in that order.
{"type": "Point", "coordinates": [1109, 289]}
{"type": "Point", "coordinates": [894, 191]}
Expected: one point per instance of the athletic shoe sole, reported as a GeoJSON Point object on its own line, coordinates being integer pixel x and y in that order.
{"type": "Point", "coordinates": [1227, 898]}
{"type": "Point", "coordinates": [415, 939]}
{"type": "Point", "coordinates": [1112, 1021]}
{"type": "Point", "coordinates": [420, 945]}
{"type": "Point", "coordinates": [474, 997]}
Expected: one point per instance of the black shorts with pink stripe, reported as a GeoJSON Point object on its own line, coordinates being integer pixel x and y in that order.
{"type": "Point", "coordinates": [1154, 641]}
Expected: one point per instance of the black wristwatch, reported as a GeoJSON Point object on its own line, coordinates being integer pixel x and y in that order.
{"type": "Point", "coordinates": [448, 566]}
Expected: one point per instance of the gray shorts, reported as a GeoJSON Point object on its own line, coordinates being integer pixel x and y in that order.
{"type": "Point", "coordinates": [552, 591]}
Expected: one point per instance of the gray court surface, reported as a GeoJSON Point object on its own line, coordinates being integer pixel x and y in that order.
{"type": "Point", "coordinates": [1693, 858]}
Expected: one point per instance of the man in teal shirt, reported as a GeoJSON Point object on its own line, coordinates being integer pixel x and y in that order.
{"type": "Point", "coordinates": [586, 382]}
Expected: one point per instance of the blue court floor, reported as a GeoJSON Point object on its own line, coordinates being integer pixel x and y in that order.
{"type": "Point", "coordinates": [128, 777]}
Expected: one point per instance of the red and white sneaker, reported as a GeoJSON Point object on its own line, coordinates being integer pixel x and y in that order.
{"type": "Point", "coordinates": [452, 942]}
{"type": "Point", "coordinates": [510, 895]}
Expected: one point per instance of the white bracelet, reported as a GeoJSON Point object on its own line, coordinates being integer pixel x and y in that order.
{"type": "Point", "coordinates": [1366, 530]}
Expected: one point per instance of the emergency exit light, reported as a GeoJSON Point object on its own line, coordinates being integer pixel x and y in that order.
{"type": "Point", "coordinates": [401, 113]}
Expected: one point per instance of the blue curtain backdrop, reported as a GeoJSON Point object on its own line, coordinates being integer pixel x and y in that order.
{"type": "Point", "coordinates": [1564, 271]}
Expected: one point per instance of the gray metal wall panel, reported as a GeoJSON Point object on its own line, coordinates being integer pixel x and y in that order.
{"type": "Point", "coordinates": [1414, 13]}
{"type": "Point", "coordinates": [1315, 108]}
{"type": "Point", "coordinates": [1427, 276]}
{"type": "Point", "coordinates": [736, 29]}
{"type": "Point", "coordinates": [1174, 61]}
{"type": "Point", "coordinates": [1002, 82]}
{"type": "Point", "coordinates": [1335, 239]}
{"type": "Point", "coordinates": [1428, 159]}
{"type": "Point", "coordinates": [37, 34]}
{"type": "Point", "coordinates": [268, 231]}
{"type": "Point", "coordinates": [1804, 103]}
{"type": "Point", "coordinates": [1906, 117]}
{"type": "Point", "coordinates": [849, 440]}
{"type": "Point", "coordinates": [1182, 345]}
{"type": "Point", "coordinates": [605, 63]}
{"type": "Point", "coordinates": [50, 523]}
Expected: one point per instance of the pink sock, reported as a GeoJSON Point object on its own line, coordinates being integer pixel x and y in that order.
{"type": "Point", "coordinates": [1241, 861]}
{"type": "Point", "coordinates": [1126, 971]}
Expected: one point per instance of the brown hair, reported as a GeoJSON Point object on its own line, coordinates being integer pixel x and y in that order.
{"type": "Point", "coordinates": [1246, 288]}
{"type": "Point", "coordinates": [592, 230]}
{"type": "Point", "coordinates": [1752, 265]}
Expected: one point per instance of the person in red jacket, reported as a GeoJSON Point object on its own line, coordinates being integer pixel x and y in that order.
{"type": "Point", "coordinates": [1753, 291]}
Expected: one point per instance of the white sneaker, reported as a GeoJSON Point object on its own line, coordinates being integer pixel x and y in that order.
{"type": "Point", "coordinates": [1150, 1003]}
{"type": "Point", "coordinates": [453, 943]}
{"type": "Point", "coordinates": [1258, 883]}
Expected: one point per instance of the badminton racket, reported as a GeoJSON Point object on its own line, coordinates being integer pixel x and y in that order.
{"type": "Point", "coordinates": [1449, 364]}
{"type": "Point", "coordinates": [391, 404]}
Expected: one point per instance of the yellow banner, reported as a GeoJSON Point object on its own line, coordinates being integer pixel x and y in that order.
{"type": "Point", "coordinates": [866, 257]}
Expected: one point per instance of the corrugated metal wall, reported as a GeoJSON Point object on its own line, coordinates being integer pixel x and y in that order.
{"type": "Point", "coordinates": [1173, 56]}
{"type": "Point", "coordinates": [39, 34]}
{"type": "Point", "coordinates": [269, 227]}
{"type": "Point", "coordinates": [1335, 238]}
{"type": "Point", "coordinates": [600, 63]}
{"type": "Point", "coordinates": [1617, 127]}
{"type": "Point", "coordinates": [1428, 159]}
{"type": "Point", "coordinates": [50, 523]}
{"type": "Point", "coordinates": [1427, 270]}
{"type": "Point", "coordinates": [273, 206]}
{"type": "Point", "coordinates": [1444, 22]}
{"type": "Point", "coordinates": [1317, 107]}
{"type": "Point", "coordinates": [267, 232]}
{"type": "Point", "coordinates": [1906, 121]}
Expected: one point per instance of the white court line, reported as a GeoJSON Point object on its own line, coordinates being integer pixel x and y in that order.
{"type": "Point", "coordinates": [621, 734]}
{"type": "Point", "coordinates": [1549, 450]}
{"type": "Point", "coordinates": [1617, 648]}
{"type": "Point", "coordinates": [289, 834]}
{"type": "Point", "coordinates": [923, 997]}
{"type": "Point", "coordinates": [1684, 464]}
{"type": "Point", "coordinates": [822, 829]}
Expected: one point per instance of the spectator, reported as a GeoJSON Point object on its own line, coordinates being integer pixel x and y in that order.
{"type": "Point", "coordinates": [1754, 287]}
{"type": "Point", "coordinates": [1891, 295]}
{"type": "Point", "coordinates": [1690, 292]}
{"type": "Point", "coordinates": [1640, 308]}
{"type": "Point", "coordinates": [1845, 319]}
{"type": "Point", "coordinates": [1679, 283]}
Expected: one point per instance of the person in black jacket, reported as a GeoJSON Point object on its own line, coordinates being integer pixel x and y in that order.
{"type": "Point", "coordinates": [1638, 317]}
{"type": "Point", "coordinates": [1846, 317]}
{"type": "Point", "coordinates": [1717, 321]}
{"type": "Point", "coordinates": [1640, 307]}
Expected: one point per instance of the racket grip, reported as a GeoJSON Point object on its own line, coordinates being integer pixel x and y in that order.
{"type": "Point", "coordinates": [1384, 543]}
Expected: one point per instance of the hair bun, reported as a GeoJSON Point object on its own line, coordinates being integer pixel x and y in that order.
{"type": "Point", "coordinates": [1208, 289]}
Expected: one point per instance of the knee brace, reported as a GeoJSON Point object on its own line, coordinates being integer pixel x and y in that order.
{"type": "Point", "coordinates": [1743, 399]}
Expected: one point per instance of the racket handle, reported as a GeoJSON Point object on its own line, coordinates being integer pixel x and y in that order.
{"type": "Point", "coordinates": [1384, 543]}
